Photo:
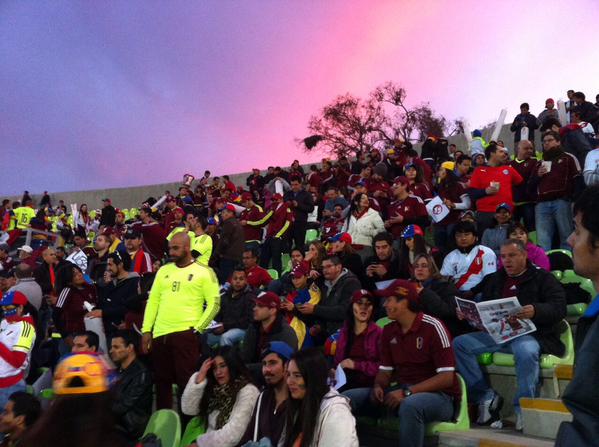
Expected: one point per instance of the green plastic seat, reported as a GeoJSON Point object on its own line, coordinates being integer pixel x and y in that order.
{"type": "Point", "coordinates": [382, 322]}
{"type": "Point", "coordinates": [165, 424]}
{"type": "Point", "coordinates": [559, 250]}
{"type": "Point", "coordinates": [462, 422]}
{"type": "Point", "coordinates": [558, 274]}
{"type": "Point", "coordinates": [311, 235]}
{"type": "Point", "coordinates": [547, 361]}
{"type": "Point", "coordinates": [486, 358]}
{"type": "Point", "coordinates": [532, 237]}
{"type": "Point", "coordinates": [47, 394]}
{"type": "Point", "coordinates": [576, 310]}
{"type": "Point", "coordinates": [569, 276]}
{"type": "Point", "coordinates": [273, 273]}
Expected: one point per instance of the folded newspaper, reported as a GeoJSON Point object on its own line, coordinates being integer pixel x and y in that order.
{"type": "Point", "coordinates": [497, 318]}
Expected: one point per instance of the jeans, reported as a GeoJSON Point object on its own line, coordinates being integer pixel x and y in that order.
{"type": "Point", "coordinates": [228, 338]}
{"type": "Point", "coordinates": [358, 398]}
{"type": "Point", "coordinates": [271, 250]}
{"type": "Point", "coordinates": [526, 352]}
{"type": "Point", "coordinates": [548, 215]}
{"type": "Point", "coordinates": [526, 214]}
{"type": "Point", "coordinates": [418, 410]}
{"type": "Point", "coordinates": [6, 392]}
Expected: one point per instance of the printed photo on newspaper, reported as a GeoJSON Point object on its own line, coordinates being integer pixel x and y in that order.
{"type": "Point", "coordinates": [497, 318]}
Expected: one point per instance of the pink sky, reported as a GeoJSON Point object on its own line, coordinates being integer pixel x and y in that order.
{"type": "Point", "coordinates": [117, 94]}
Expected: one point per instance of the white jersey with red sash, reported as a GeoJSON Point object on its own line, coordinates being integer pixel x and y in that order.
{"type": "Point", "coordinates": [468, 269]}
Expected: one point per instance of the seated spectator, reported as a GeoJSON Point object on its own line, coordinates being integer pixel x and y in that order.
{"type": "Point", "coordinates": [412, 244]}
{"type": "Point", "coordinates": [469, 263]}
{"type": "Point", "coordinates": [132, 392]}
{"type": "Point", "coordinates": [363, 223]}
{"type": "Point", "coordinates": [222, 394]}
{"type": "Point", "coordinates": [314, 256]}
{"type": "Point", "coordinates": [257, 277]}
{"type": "Point", "coordinates": [543, 301]}
{"type": "Point", "coordinates": [416, 354]}
{"type": "Point", "coordinates": [337, 286]}
{"type": "Point", "coordinates": [304, 291]}
{"type": "Point", "coordinates": [384, 264]}
{"type": "Point", "coordinates": [235, 313]}
{"type": "Point", "coordinates": [453, 193]}
{"type": "Point", "coordinates": [341, 246]}
{"type": "Point", "coordinates": [27, 285]}
{"type": "Point", "coordinates": [494, 236]}
{"type": "Point", "coordinates": [271, 409]}
{"type": "Point", "coordinates": [6, 262]}
{"type": "Point", "coordinates": [80, 414]}
{"type": "Point", "coordinates": [437, 295]}
{"type": "Point", "coordinates": [87, 341]}
{"type": "Point", "coordinates": [317, 414]}
{"type": "Point", "coordinates": [358, 349]}
{"type": "Point", "coordinates": [283, 285]}
{"type": "Point", "coordinates": [590, 171]}
{"type": "Point", "coordinates": [333, 224]}
{"type": "Point", "coordinates": [268, 325]}
{"type": "Point", "coordinates": [20, 412]}
{"type": "Point", "coordinates": [404, 210]}
{"type": "Point", "coordinates": [418, 187]}
{"type": "Point", "coordinates": [535, 254]}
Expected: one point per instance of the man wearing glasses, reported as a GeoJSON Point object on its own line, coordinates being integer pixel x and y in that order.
{"type": "Point", "coordinates": [554, 181]}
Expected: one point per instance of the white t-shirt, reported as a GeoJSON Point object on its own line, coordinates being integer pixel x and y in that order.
{"type": "Point", "coordinates": [591, 168]}
{"type": "Point", "coordinates": [468, 269]}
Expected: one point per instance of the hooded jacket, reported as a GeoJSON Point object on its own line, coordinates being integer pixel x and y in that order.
{"type": "Point", "coordinates": [335, 298]}
{"type": "Point", "coordinates": [281, 331]}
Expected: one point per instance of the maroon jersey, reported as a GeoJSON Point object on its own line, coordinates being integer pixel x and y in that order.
{"type": "Point", "coordinates": [421, 190]}
{"type": "Point", "coordinates": [253, 228]}
{"type": "Point", "coordinates": [412, 209]}
{"type": "Point", "coordinates": [451, 191]}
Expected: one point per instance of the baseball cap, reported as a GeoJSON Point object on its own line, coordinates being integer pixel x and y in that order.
{"type": "Point", "coordinates": [408, 166]}
{"type": "Point", "coordinates": [277, 196]}
{"type": "Point", "coordinates": [505, 206]}
{"type": "Point", "coordinates": [26, 249]}
{"type": "Point", "coordinates": [120, 212]}
{"type": "Point", "coordinates": [278, 347]}
{"type": "Point", "coordinates": [341, 237]}
{"type": "Point", "coordinates": [83, 373]}
{"type": "Point", "coordinates": [211, 221]}
{"type": "Point", "coordinates": [108, 231]}
{"type": "Point", "coordinates": [449, 165]}
{"type": "Point", "coordinates": [299, 270]}
{"type": "Point", "coordinates": [5, 247]}
{"type": "Point", "coordinates": [132, 234]}
{"type": "Point", "coordinates": [400, 180]}
{"type": "Point", "coordinates": [391, 152]}
{"type": "Point", "coordinates": [13, 298]}
{"type": "Point", "coordinates": [411, 230]}
{"type": "Point", "coordinates": [170, 198]}
{"type": "Point", "coordinates": [229, 207]}
{"type": "Point", "coordinates": [268, 299]}
{"type": "Point", "coordinates": [246, 196]}
{"type": "Point", "coordinates": [359, 294]}
{"type": "Point", "coordinates": [361, 183]}
{"type": "Point", "coordinates": [106, 200]}
{"type": "Point", "coordinates": [400, 288]}
{"type": "Point", "coordinates": [549, 100]}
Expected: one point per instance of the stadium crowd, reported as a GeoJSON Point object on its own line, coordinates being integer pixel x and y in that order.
{"type": "Point", "coordinates": [239, 305]}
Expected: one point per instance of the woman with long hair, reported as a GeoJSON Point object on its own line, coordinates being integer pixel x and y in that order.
{"type": "Point", "coordinates": [314, 256]}
{"type": "Point", "coordinates": [223, 396]}
{"type": "Point", "coordinates": [81, 413]}
{"type": "Point", "coordinates": [437, 295]}
{"type": "Point", "coordinates": [536, 254]}
{"type": "Point", "coordinates": [418, 186]}
{"type": "Point", "coordinates": [317, 416]}
{"type": "Point", "coordinates": [363, 223]}
{"type": "Point", "coordinates": [412, 244]}
{"type": "Point", "coordinates": [82, 218]}
{"type": "Point", "coordinates": [358, 349]}
{"type": "Point", "coordinates": [341, 245]}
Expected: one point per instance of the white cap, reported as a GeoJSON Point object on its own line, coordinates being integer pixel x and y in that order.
{"type": "Point", "coordinates": [26, 249]}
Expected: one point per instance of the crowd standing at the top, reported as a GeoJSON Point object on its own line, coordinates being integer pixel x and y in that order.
{"type": "Point", "coordinates": [223, 289]}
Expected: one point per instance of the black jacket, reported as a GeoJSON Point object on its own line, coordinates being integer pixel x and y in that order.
{"type": "Point", "coordinates": [271, 419]}
{"type": "Point", "coordinates": [520, 120]}
{"type": "Point", "coordinates": [334, 301]}
{"type": "Point", "coordinates": [231, 241]}
{"type": "Point", "coordinates": [369, 282]}
{"type": "Point", "coordinates": [438, 300]}
{"type": "Point", "coordinates": [541, 289]}
{"type": "Point", "coordinates": [236, 312]}
{"type": "Point", "coordinates": [132, 403]}
{"type": "Point", "coordinates": [108, 217]}
{"type": "Point", "coordinates": [305, 204]}
{"type": "Point", "coordinates": [281, 331]}
{"type": "Point", "coordinates": [114, 300]}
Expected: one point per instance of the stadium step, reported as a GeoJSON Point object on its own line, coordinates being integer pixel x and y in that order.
{"type": "Point", "coordinates": [487, 437]}
{"type": "Point", "coordinates": [542, 417]}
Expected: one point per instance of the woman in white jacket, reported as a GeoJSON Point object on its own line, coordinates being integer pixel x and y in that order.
{"type": "Point", "coordinates": [222, 394]}
{"type": "Point", "coordinates": [317, 416]}
{"type": "Point", "coordinates": [364, 223]}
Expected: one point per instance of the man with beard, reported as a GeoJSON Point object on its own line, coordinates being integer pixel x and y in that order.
{"type": "Point", "coordinates": [96, 266]}
{"type": "Point", "coordinates": [468, 264]}
{"type": "Point", "coordinates": [271, 409]}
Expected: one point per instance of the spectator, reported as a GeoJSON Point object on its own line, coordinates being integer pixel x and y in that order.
{"type": "Point", "coordinates": [314, 257]}
{"type": "Point", "coordinates": [26, 256]}
{"type": "Point", "coordinates": [236, 313]}
{"type": "Point", "coordinates": [478, 144]}
{"type": "Point", "coordinates": [535, 254]}
{"type": "Point", "coordinates": [229, 250]}
{"type": "Point", "coordinates": [384, 264]}
{"type": "Point", "coordinates": [223, 395]}
{"type": "Point", "coordinates": [341, 246]}
{"type": "Point", "coordinates": [363, 223]}
{"type": "Point", "coordinates": [412, 244]}
{"type": "Point", "coordinates": [279, 220]}
{"type": "Point", "coordinates": [580, 396]}
{"type": "Point", "coordinates": [153, 234]}
{"type": "Point", "coordinates": [16, 342]}
{"type": "Point", "coordinates": [317, 414]}
{"type": "Point", "coordinates": [437, 295]}
{"type": "Point", "coordinates": [333, 198]}
{"type": "Point", "coordinates": [255, 182]}
{"type": "Point", "coordinates": [418, 187]}
{"type": "Point", "coordinates": [463, 168]}
{"type": "Point", "coordinates": [524, 164]}
{"type": "Point", "coordinates": [358, 349]}
{"type": "Point", "coordinates": [469, 263]}
{"type": "Point", "coordinates": [97, 264]}
{"type": "Point", "coordinates": [337, 286]}
{"type": "Point", "coordinates": [543, 301]}
{"type": "Point", "coordinates": [301, 204]}
{"type": "Point", "coordinates": [524, 119]}
{"type": "Point", "coordinates": [201, 242]}
{"type": "Point", "coordinates": [132, 392]}
{"type": "Point", "coordinates": [174, 312]}
{"type": "Point", "coordinates": [416, 354]}
{"type": "Point", "coordinates": [584, 108]}
{"type": "Point", "coordinates": [549, 112]}
{"type": "Point", "coordinates": [250, 219]}
{"type": "Point", "coordinates": [108, 218]}
{"type": "Point", "coordinates": [20, 412]}
{"type": "Point", "coordinates": [257, 277]}
{"type": "Point", "coordinates": [268, 325]}
{"type": "Point", "coordinates": [141, 262]}
{"type": "Point", "coordinates": [554, 182]}
{"type": "Point", "coordinates": [6, 262]}
{"type": "Point", "coordinates": [80, 414]}
{"type": "Point", "coordinates": [494, 236]}
{"type": "Point", "coordinates": [491, 185]}
{"type": "Point", "coordinates": [591, 168]}
{"type": "Point", "coordinates": [269, 415]}
{"type": "Point", "coordinates": [23, 214]}
{"type": "Point", "coordinates": [404, 210]}
{"type": "Point", "coordinates": [454, 196]}
{"type": "Point", "coordinates": [87, 341]}
{"type": "Point", "coordinates": [27, 285]}
{"type": "Point", "coordinates": [333, 224]}
{"type": "Point", "coordinates": [45, 274]}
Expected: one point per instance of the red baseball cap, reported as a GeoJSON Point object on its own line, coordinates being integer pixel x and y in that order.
{"type": "Point", "coordinates": [341, 237]}
{"type": "Point", "coordinates": [400, 288]}
{"type": "Point", "coordinates": [299, 270]}
{"type": "Point", "coordinates": [401, 180]}
{"type": "Point", "coordinates": [246, 196]}
{"type": "Point", "coordinates": [359, 294]}
{"type": "Point", "coordinates": [230, 207]}
{"type": "Point", "coordinates": [268, 299]}
{"type": "Point", "coordinates": [277, 196]}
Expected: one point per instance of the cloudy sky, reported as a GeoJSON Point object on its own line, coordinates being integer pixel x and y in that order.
{"type": "Point", "coordinates": [121, 93]}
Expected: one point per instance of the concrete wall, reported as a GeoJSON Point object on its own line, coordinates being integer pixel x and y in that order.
{"type": "Point", "coordinates": [134, 196]}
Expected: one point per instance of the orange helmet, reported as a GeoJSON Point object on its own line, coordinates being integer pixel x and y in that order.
{"type": "Point", "coordinates": [84, 373]}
